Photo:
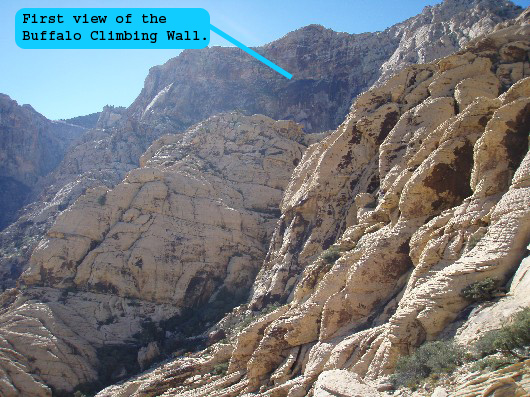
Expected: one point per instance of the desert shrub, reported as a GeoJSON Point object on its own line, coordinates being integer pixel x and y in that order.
{"type": "Point", "coordinates": [252, 316]}
{"type": "Point", "coordinates": [480, 291]}
{"type": "Point", "coordinates": [269, 308]}
{"type": "Point", "coordinates": [220, 369]}
{"type": "Point", "coordinates": [492, 363]}
{"type": "Point", "coordinates": [102, 199]}
{"type": "Point", "coordinates": [331, 255]}
{"type": "Point", "coordinates": [512, 339]}
{"type": "Point", "coordinates": [474, 240]}
{"type": "Point", "coordinates": [484, 346]}
{"type": "Point", "coordinates": [245, 321]}
{"type": "Point", "coordinates": [430, 360]}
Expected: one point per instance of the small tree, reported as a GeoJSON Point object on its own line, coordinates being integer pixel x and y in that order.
{"type": "Point", "coordinates": [432, 358]}
{"type": "Point", "coordinates": [331, 255]}
{"type": "Point", "coordinates": [512, 339]}
{"type": "Point", "coordinates": [220, 369]}
{"type": "Point", "coordinates": [102, 200]}
{"type": "Point", "coordinates": [480, 291]}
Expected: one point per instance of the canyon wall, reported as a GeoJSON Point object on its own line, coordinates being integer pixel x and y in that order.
{"type": "Point", "coordinates": [329, 68]}
{"type": "Point", "coordinates": [149, 263]}
{"type": "Point", "coordinates": [422, 191]}
{"type": "Point", "coordinates": [347, 248]}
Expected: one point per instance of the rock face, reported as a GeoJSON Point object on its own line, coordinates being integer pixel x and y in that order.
{"type": "Point", "coordinates": [329, 68]}
{"type": "Point", "coordinates": [422, 191]}
{"type": "Point", "coordinates": [342, 383]}
{"type": "Point", "coordinates": [31, 146]}
{"type": "Point", "coordinates": [510, 381]}
{"type": "Point", "coordinates": [101, 157]}
{"type": "Point", "coordinates": [443, 29]}
{"type": "Point", "coordinates": [488, 317]}
{"type": "Point", "coordinates": [201, 200]}
{"type": "Point", "coordinates": [183, 236]}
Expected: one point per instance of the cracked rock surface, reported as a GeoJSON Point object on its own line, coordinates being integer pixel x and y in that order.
{"type": "Point", "coordinates": [330, 69]}
{"type": "Point", "coordinates": [187, 230]}
{"type": "Point", "coordinates": [422, 191]}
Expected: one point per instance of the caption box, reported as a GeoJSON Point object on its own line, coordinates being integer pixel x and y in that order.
{"type": "Point", "coordinates": [112, 28]}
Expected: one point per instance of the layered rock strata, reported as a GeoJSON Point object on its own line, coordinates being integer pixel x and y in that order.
{"type": "Point", "coordinates": [329, 70]}
{"type": "Point", "coordinates": [421, 192]}
{"type": "Point", "coordinates": [122, 271]}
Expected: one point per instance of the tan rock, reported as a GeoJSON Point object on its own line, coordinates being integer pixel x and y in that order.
{"type": "Point", "coordinates": [441, 216]}
{"type": "Point", "coordinates": [511, 381]}
{"type": "Point", "coordinates": [342, 383]}
{"type": "Point", "coordinates": [490, 317]}
{"type": "Point", "coordinates": [469, 90]}
{"type": "Point", "coordinates": [420, 201]}
{"type": "Point", "coordinates": [410, 228]}
{"type": "Point", "coordinates": [187, 230]}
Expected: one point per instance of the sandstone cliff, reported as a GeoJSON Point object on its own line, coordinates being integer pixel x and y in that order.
{"type": "Point", "coordinates": [364, 240]}
{"type": "Point", "coordinates": [31, 146]}
{"type": "Point", "coordinates": [101, 157]}
{"type": "Point", "coordinates": [422, 191]}
{"type": "Point", "coordinates": [329, 70]}
{"type": "Point", "coordinates": [119, 269]}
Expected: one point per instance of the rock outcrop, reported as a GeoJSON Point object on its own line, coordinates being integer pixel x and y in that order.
{"type": "Point", "coordinates": [101, 157]}
{"type": "Point", "coordinates": [364, 240]}
{"type": "Point", "coordinates": [329, 70]}
{"type": "Point", "coordinates": [422, 191]}
{"type": "Point", "coordinates": [31, 146]}
{"type": "Point", "coordinates": [513, 380]}
{"type": "Point", "coordinates": [178, 242]}
{"type": "Point", "coordinates": [486, 317]}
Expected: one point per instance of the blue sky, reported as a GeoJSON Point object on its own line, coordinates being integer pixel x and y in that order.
{"type": "Point", "coordinates": [68, 83]}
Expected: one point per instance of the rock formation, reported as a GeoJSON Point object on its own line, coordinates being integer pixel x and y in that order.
{"type": "Point", "coordinates": [329, 70]}
{"type": "Point", "coordinates": [509, 381]}
{"type": "Point", "coordinates": [31, 146]}
{"type": "Point", "coordinates": [123, 267]}
{"type": "Point", "coordinates": [422, 191]}
{"type": "Point", "coordinates": [352, 246]}
{"type": "Point", "coordinates": [101, 157]}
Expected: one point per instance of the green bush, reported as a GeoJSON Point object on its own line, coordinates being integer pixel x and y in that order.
{"type": "Point", "coordinates": [220, 369]}
{"type": "Point", "coordinates": [484, 346]}
{"type": "Point", "coordinates": [331, 255]}
{"type": "Point", "coordinates": [510, 344]}
{"type": "Point", "coordinates": [102, 199]}
{"type": "Point", "coordinates": [475, 238]}
{"type": "Point", "coordinates": [492, 363]}
{"type": "Point", "coordinates": [430, 360]}
{"type": "Point", "coordinates": [512, 339]}
{"type": "Point", "coordinates": [252, 316]}
{"type": "Point", "coordinates": [480, 291]}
